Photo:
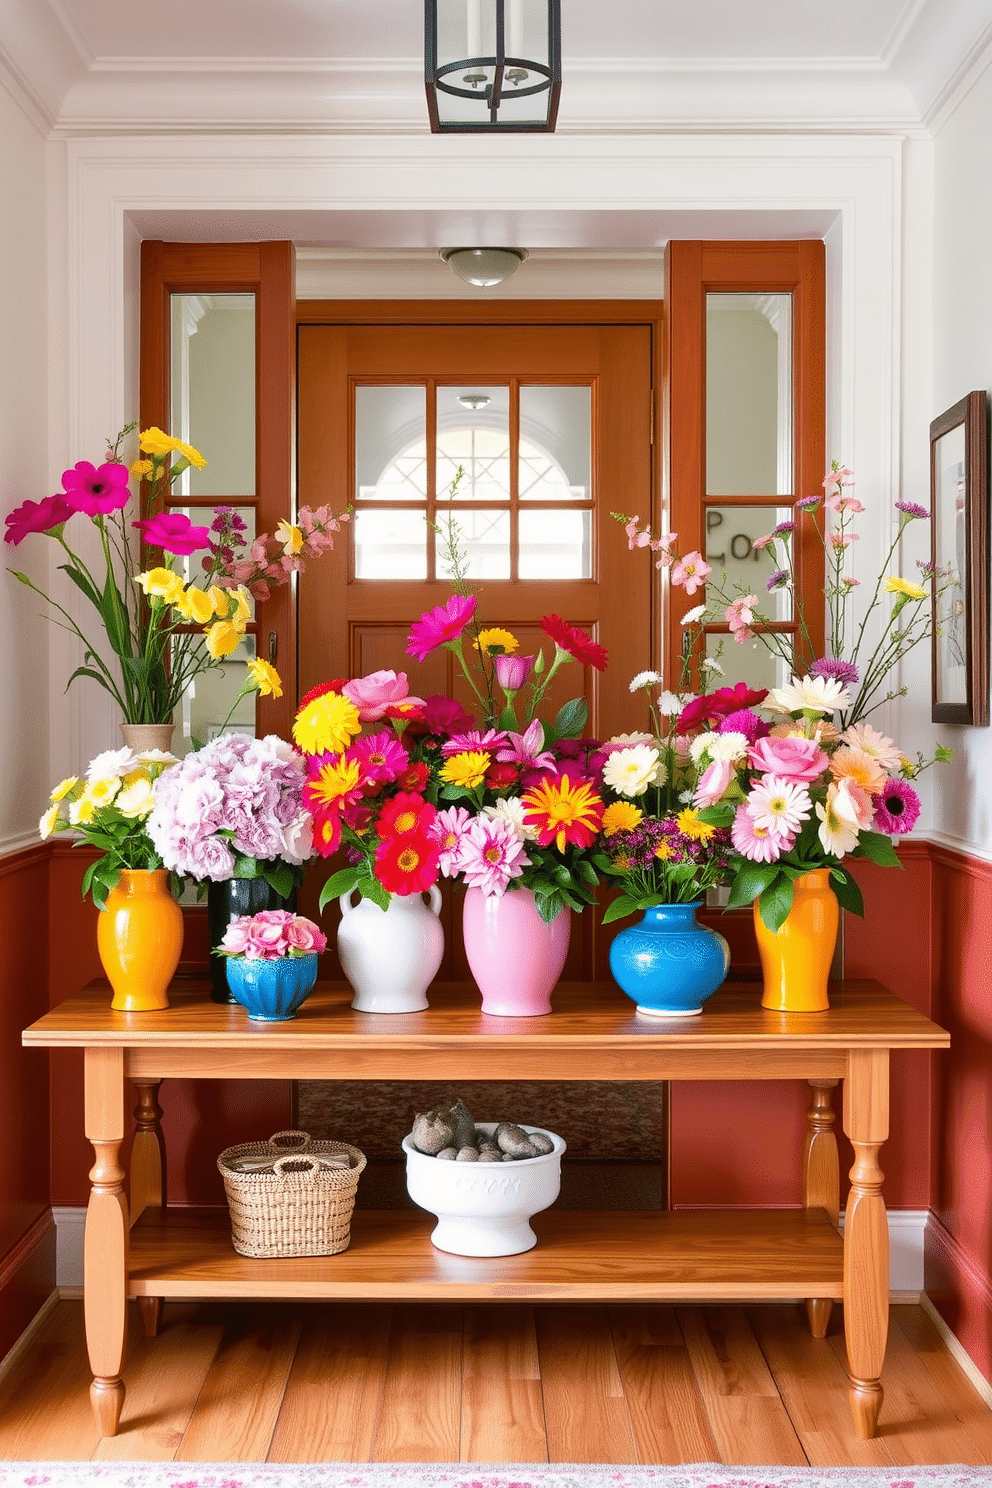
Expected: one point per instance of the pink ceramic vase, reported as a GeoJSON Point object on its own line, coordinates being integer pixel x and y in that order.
{"type": "Point", "coordinates": [515, 957]}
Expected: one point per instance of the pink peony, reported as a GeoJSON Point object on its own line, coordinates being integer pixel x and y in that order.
{"type": "Point", "coordinates": [96, 491]}
{"type": "Point", "coordinates": [440, 626]}
{"type": "Point", "coordinates": [173, 532]}
{"type": "Point", "coordinates": [372, 695]}
{"type": "Point", "coordinates": [36, 516]}
{"type": "Point", "coordinates": [792, 758]}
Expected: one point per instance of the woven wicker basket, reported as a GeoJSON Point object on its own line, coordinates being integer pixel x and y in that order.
{"type": "Point", "coordinates": [300, 1206]}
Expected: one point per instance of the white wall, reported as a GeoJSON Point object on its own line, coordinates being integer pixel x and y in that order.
{"type": "Point", "coordinates": [962, 361]}
{"type": "Point", "coordinates": [24, 635]}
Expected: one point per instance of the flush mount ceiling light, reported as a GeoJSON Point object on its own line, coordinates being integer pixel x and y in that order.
{"type": "Point", "coordinates": [474, 400]}
{"type": "Point", "coordinates": [492, 66]}
{"type": "Point", "coordinates": [484, 266]}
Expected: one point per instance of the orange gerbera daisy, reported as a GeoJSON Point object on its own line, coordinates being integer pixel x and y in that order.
{"type": "Point", "coordinates": [564, 811]}
{"type": "Point", "coordinates": [863, 769]}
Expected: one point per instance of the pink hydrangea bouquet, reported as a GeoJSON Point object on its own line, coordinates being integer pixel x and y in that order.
{"type": "Point", "coordinates": [163, 628]}
{"type": "Point", "coordinates": [235, 809]}
{"type": "Point", "coordinates": [271, 935]}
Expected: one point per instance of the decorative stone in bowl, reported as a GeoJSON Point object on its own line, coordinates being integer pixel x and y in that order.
{"type": "Point", "coordinates": [484, 1208]}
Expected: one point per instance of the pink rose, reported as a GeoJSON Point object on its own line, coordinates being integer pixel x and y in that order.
{"type": "Point", "coordinates": [236, 936]}
{"type": "Point", "coordinates": [302, 935]}
{"type": "Point", "coordinates": [714, 781]}
{"type": "Point", "coordinates": [792, 758]}
{"type": "Point", "coordinates": [372, 695]}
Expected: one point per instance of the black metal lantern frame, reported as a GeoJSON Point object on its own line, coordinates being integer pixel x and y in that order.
{"type": "Point", "coordinates": [504, 85]}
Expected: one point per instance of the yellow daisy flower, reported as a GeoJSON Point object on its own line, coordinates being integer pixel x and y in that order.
{"type": "Point", "coordinates": [622, 816]}
{"type": "Point", "coordinates": [337, 779]}
{"type": "Point", "coordinates": [81, 811]}
{"type": "Point", "coordinates": [663, 852]}
{"type": "Point", "coordinates": [102, 792]}
{"type": "Point", "coordinates": [265, 678]}
{"type": "Point", "coordinates": [689, 825]}
{"type": "Point", "coordinates": [903, 586]}
{"type": "Point", "coordinates": [136, 800]}
{"type": "Point", "coordinates": [291, 537]}
{"type": "Point", "coordinates": [49, 821]}
{"type": "Point", "coordinates": [64, 787]}
{"type": "Point", "coordinates": [328, 724]}
{"type": "Point", "coordinates": [496, 641]}
{"type": "Point", "coordinates": [222, 638]}
{"type": "Point", "coordinates": [467, 769]}
{"type": "Point", "coordinates": [194, 605]}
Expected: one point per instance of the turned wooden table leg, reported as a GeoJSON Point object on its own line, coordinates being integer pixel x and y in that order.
{"type": "Point", "coordinates": [148, 1179]}
{"type": "Point", "coordinates": [866, 1235]}
{"type": "Point", "coordinates": [821, 1182]}
{"type": "Point", "coordinates": [106, 1236]}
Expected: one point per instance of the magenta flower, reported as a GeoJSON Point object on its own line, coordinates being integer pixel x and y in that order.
{"type": "Point", "coordinates": [36, 516]}
{"type": "Point", "coordinates": [173, 532]}
{"type": "Point", "coordinates": [96, 490]}
{"type": "Point", "coordinates": [912, 509]}
{"type": "Point", "coordinates": [745, 722]}
{"type": "Point", "coordinates": [897, 809]}
{"type": "Point", "coordinates": [807, 503]}
{"type": "Point", "coordinates": [528, 749]}
{"type": "Point", "coordinates": [382, 758]}
{"type": "Point", "coordinates": [512, 671]}
{"type": "Point", "coordinates": [441, 715]}
{"type": "Point", "coordinates": [475, 739]}
{"type": "Point", "coordinates": [440, 626]}
{"type": "Point", "coordinates": [828, 666]}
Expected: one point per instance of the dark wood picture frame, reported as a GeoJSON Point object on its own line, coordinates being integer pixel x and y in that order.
{"type": "Point", "coordinates": [959, 510]}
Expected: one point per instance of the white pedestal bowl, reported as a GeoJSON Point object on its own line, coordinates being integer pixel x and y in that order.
{"type": "Point", "coordinates": [483, 1208]}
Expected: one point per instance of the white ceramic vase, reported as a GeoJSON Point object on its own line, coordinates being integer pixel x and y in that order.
{"type": "Point", "coordinates": [391, 956]}
{"type": "Point", "coordinates": [484, 1208]}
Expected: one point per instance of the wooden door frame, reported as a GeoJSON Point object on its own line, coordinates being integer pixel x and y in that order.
{"type": "Point", "coordinates": [503, 313]}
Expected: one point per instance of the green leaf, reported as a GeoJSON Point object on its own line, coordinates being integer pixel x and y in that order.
{"type": "Point", "coordinates": [717, 816]}
{"type": "Point", "coordinates": [87, 879]}
{"type": "Point", "coordinates": [586, 871]}
{"type": "Point", "coordinates": [620, 907]}
{"type": "Point", "coordinates": [371, 888]}
{"type": "Point", "coordinates": [571, 718]}
{"type": "Point", "coordinates": [453, 792]}
{"type": "Point", "coordinates": [878, 848]}
{"type": "Point", "coordinates": [549, 905]}
{"type": "Point", "coordinates": [750, 880]}
{"type": "Point", "coordinates": [246, 867]}
{"type": "Point", "coordinates": [21, 578]}
{"type": "Point", "coordinates": [847, 891]}
{"type": "Point", "coordinates": [81, 582]}
{"type": "Point", "coordinates": [342, 882]}
{"type": "Point", "coordinates": [776, 901]}
{"type": "Point", "coordinates": [83, 671]}
{"type": "Point", "coordinates": [279, 879]}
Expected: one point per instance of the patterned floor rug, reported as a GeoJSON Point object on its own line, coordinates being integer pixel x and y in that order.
{"type": "Point", "coordinates": [475, 1475]}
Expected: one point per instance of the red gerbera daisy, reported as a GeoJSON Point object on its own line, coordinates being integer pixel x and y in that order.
{"type": "Point", "coordinates": [575, 641]}
{"type": "Point", "coordinates": [407, 812]}
{"type": "Point", "coordinates": [320, 689]}
{"type": "Point", "coordinates": [414, 777]}
{"type": "Point", "coordinates": [409, 864]}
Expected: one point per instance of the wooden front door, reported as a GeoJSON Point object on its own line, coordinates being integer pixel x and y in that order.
{"type": "Point", "coordinates": [563, 438]}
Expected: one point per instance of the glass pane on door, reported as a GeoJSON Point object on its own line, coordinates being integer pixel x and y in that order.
{"type": "Point", "coordinates": [555, 443]}
{"type": "Point", "coordinates": [213, 391]}
{"type": "Point", "coordinates": [749, 394]}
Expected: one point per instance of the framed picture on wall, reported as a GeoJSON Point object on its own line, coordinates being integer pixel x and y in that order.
{"type": "Point", "coordinates": [959, 506]}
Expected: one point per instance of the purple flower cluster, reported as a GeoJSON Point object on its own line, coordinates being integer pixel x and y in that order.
{"type": "Point", "coordinates": [235, 796]}
{"type": "Point", "coordinates": [838, 671]}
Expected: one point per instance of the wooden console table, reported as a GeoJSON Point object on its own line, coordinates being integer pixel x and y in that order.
{"type": "Point", "coordinates": [593, 1033]}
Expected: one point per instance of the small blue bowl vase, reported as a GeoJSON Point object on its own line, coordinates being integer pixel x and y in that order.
{"type": "Point", "coordinates": [271, 991]}
{"type": "Point", "coordinates": [669, 964]}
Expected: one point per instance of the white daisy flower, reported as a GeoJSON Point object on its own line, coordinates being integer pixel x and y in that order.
{"type": "Point", "coordinates": [630, 771]}
{"type": "Point", "coordinates": [809, 695]}
{"type": "Point", "coordinates": [711, 665]}
{"type": "Point", "coordinates": [730, 747]}
{"type": "Point", "coordinates": [700, 745]}
{"type": "Point", "coordinates": [630, 739]}
{"type": "Point", "coordinates": [112, 762]}
{"type": "Point", "coordinates": [691, 616]}
{"type": "Point", "coordinates": [670, 705]}
{"type": "Point", "coordinates": [511, 809]}
{"type": "Point", "coordinates": [644, 679]}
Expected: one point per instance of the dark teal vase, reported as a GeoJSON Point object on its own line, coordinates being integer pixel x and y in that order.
{"type": "Point", "coordinates": [669, 964]}
{"type": "Point", "coordinates": [226, 900]}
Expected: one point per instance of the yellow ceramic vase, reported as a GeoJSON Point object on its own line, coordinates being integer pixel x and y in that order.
{"type": "Point", "coordinates": [140, 939]}
{"type": "Point", "coordinates": [796, 958]}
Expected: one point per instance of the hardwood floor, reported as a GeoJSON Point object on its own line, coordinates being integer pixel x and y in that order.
{"type": "Point", "coordinates": [509, 1383]}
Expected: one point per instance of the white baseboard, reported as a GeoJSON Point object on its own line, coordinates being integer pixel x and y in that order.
{"type": "Point", "coordinates": [956, 1350]}
{"type": "Point", "coordinates": [906, 1227]}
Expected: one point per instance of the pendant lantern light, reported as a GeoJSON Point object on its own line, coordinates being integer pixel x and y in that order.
{"type": "Point", "coordinates": [492, 66]}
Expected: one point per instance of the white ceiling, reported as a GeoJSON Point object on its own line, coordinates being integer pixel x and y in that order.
{"type": "Point", "coordinates": [86, 66]}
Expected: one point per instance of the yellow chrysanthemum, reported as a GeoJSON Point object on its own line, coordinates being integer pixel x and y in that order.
{"type": "Point", "coordinates": [155, 441]}
{"type": "Point", "coordinates": [265, 678]}
{"type": "Point", "coordinates": [102, 792]}
{"type": "Point", "coordinates": [328, 724]}
{"type": "Point", "coordinates": [193, 455]}
{"type": "Point", "coordinates": [141, 468]}
{"type": "Point", "coordinates": [222, 638]}
{"type": "Point", "coordinates": [64, 787]}
{"type": "Point", "coordinates": [689, 825]}
{"type": "Point", "coordinates": [622, 816]}
{"type": "Point", "coordinates": [221, 601]}
{"type": "Point", "coordinates": [291, 537]}
{"type": "Point", "coordinates": [136, 800]}
{"type": "Point", "coordinates": [49, 821]}
{"type": "Point", "coordinates": [467, 769]}
{"type": "Point", "coordinates": [161, 583]}
{"type": "Point", "coordinates": [495, 641]}
{"type": "Point", "coordinates": [337, 779]}
{"type": "Point", "coordinates": [194, 605]}
{"type": "Point", "coordinates": [903, 586]}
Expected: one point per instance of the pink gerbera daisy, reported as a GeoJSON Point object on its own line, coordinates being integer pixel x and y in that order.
{"type": "Point", "coordinates": [474, 740]}
{"type": "Point", "coordinates": [780, 805]}
{"type": "Point", "coordinates": [440, 626]}
{"type": "Point", "coordinates": [382, 758]}
{"type": "Point", "coordinates": [755, 843]}
{"type": "Point", "coordinates": [897, 809]}
{"type": "Point", "coordinates": [491, 854]}
{"type": "Point", "coordinates": [448, 830]}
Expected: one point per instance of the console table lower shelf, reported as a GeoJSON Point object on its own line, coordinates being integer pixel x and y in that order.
{"type": "Point", "coordinates": [580, 1257]}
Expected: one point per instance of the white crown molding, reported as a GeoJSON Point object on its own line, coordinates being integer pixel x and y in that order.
{"type": "Point", "coordinates": [14, 82]}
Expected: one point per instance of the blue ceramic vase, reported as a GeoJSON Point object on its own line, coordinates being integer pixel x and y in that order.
{"type": "Point", "coordinates": [668, 963]}
{"type": "Point", "coordinates": [271, 991]}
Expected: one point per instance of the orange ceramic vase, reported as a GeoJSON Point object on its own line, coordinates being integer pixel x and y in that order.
{"type": "Point", "coordinates": [140, 938]}
{"type": "Point", "coordinates": [796, 958]}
